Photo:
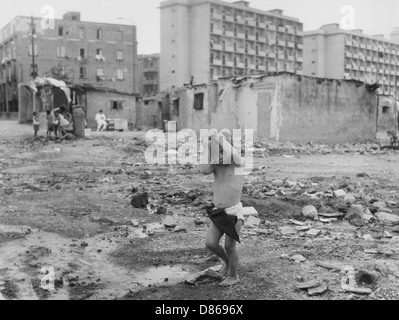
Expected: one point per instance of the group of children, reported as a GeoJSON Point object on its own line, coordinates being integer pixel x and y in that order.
{"type": "Point", "coordinates": [59, 121]}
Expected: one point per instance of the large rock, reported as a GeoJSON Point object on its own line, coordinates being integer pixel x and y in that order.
{"type": "Point", "coordinates": [387, 218]}
{"type": "Point", "coordinates": [349, 198]}
{"type": "Point", "coordinates": [340, 194]}
{"type": "Point", "coordinates": [169, 222]}
{"type": "Point", "coordinates": [310, 212]}
{"type": "Point", "coordinates": [140, 200]}
{"type": "Point", "coordinates": [380, 206]}
{"type": "Point", "coordinates": [252, 222]}
{"type": "Point", "coordinates": [355, 212]}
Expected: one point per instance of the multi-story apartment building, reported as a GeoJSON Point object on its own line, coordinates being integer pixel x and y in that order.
{"type": "Point", "coordinates": [148, 73]}
{"type": "Point", "coordinates": [71, 50]}
{"type": "Point", "coordinates": [335, 53]}
{"type": "Point", "coordinates": [208, 39]}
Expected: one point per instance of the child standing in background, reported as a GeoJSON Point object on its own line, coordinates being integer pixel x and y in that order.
{"type": "Point", "coordinates": [36, 124]}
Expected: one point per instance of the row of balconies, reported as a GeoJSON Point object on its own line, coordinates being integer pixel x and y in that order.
{"type": "Point", "coordinates": [374, 48]}
{"type": "Point", "coordinates": [257, 24]}
{"type": "Point", "coordinates": [372, 59]}
{"type": "Point", "coordinates": [242, 65]}
{"type": "Point", "coordinates": [250, 37]}
{"type": "Point", "coordinates": [372, 69]}
{"type": "Point", "coordinates": [241, 50]}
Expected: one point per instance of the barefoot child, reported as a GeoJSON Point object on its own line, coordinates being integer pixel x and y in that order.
{"type": "Point", "coordinates": [226, 214]}
{"type": "Point", "coordinates": [36, 123]}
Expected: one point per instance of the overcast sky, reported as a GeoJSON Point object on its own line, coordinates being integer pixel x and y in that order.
{"type": "Point", "coordinates": [373, 16]}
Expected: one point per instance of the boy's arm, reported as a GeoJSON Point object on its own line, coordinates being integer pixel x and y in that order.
{"type": "Point", "coordinates": [230, 151]}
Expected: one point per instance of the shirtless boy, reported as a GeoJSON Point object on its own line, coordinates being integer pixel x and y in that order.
{"type": "Point", "coordinates": [226, 215]}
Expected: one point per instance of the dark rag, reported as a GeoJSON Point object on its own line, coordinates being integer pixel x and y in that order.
{"type": "Point", "coordinates": [225, 222]}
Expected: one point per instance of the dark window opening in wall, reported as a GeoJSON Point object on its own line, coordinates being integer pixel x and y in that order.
{"type": "Point", "coordinates": [199, 101]}
{"type": "Point", "coordinates": [176, 107]}
{"type": "Point", "coordinates": [211, 27]}
{"type": "Point", "coordinates": [235, 32]}
{"type": "Point", "coordinates": [99, 34]}
{"type": "Point", "coordinates": [173, 71]}
{"type": "Point", "coordinates": [82, 53]}
{"type": "Point", "coordinates": [385, 109]}
{"type": "Point", "coordinates": [146, 102]}
{"type": "Point", "coordinates": [313, 62]}
{"type": "Point", "coordinates": [60, 31]}
{"type": "Point", "coordinates": [117, 105]}
{"type": "Point", "coordinates": [83, 73]}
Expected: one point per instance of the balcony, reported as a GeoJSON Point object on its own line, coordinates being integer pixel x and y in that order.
{"type": "Point", "coordinates": [355, 67]}
{"type": "Point", "coordinates": [241, 50]}
{"type": "Point", "coordinates": [216, 16]}
{"type": "Point", "coordinates": [251, 52]}
{"type": "Point", "coordinates": [368, 58]}
{"type": "Point", "coordinates": [281, 56]}
{"type": "Point", "coordinates": [251, 23]}
{"type": "Point", "coordinates": [380, 60]}
{"type": "Point", "coordinates": [348, 43]}
{"type": "Point", "coordinates": [240, 20]}
{"type": "Point", "coordinates": [217, 31]}
{"type": "Point", "coordinates": [363, 46]}
{"type": "Point", "coordinates": [230, 34]}
{"type": "Point", "coordinates": [271, 55]}
{"type": "Point", "coordinates": [347, 77]}
{"type": "Point", "coordinates": [290, 30]}
{"type": "Point", "coordinates": [272, 27]}
{"type": "Point", "coordinates": [229, 49]}
{"type": "Point", "coordinates": [375, 59]}
{"type": "Point", "coordinates": [392, 72]}
{"type": "Point", "coordinates": [299, 46]}
{"type": "Point", "coordinates": [362, 68]}
{"type": "Point", "coordinates": [217, 62]}
{"type": "Point", "coordinates": [262, 25]}
{"type": "Point", "coordinates": [262, 68]}
{"type": "Point", "coordinates": [261, 39]}
{"type": "Point", "coordinates": [230, 63]}
{"type": "Point", "coordinates": [348, 55]}
{"type": "Point", "coordinates": [380, 70]}
{"type": "Point", "coordinates": [299, 33]}
{"type": "Point", "coordinates": [272, 69]}
{"type": "Point", "coordinates": [393, 52]}
{"type": "Point", "coordinates": [262, 53]}
{"type": "Point", "coordinates": [215, 77]}
{"type": "Point", "coordinates": [299, 59]}
{"type": "Point", "coordinates": [251, 37]}
{"type": "Point", "coordinates": [368, 69]}
{"type": "Point", "coordinates": [281, 43]}
{"type": "Point", "coordinates": [387, 50]}
{"type": "Point", "coordinates": [369, 47]}
{"type": "Point", "coordinates": [252, 67]}
{"type": "Point", "coordinates": [290, 57]}
{"type": "Point", "coordinates": [300, 72]}
{"type": "Point", "coordinates": [348, 66]}
{"type": "Point", "coordinates": [375, 48]}
{"type": "Point", "coordinates": [240, 35]}
{"type": "Point", "coordinates": [240, 65]}
{"type": "Point", "coordinates": [229, 18]}
{"type": "Point", "coordinates": [290, 44]}
{"type": "Point", "coordinates": [388, 61]}
{"type": "Point", "coordinates": [217, 47]}
{"type": "Point", "coordinates": [281, 29]}
{"type": "Point", "coordinates": [355, 56]}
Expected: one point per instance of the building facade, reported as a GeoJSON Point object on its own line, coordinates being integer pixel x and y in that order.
{"type": "Point", "coordinates": [148, 70]}
{"type": "Point", "coordinates": [335, 53]}
{"type": "Point", "coordinates": [208, 39]}
{"type": "Point", "coordinates": [71, 50]}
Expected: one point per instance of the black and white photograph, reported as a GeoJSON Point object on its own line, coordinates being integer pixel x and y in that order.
{"type": "Point", "coordinates": [199, 154]}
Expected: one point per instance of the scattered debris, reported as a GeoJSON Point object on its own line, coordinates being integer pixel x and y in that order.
{"type": "Point", "coordinates": [140, 200]}
{"type": "Point", "coordinates": [252, 222]}
{"type": "Point", "coordinates": [287, 230]}
{"type": "Point", "coordinates": [340, 194]}
{"type": "Point", "coordinates": [308, 285]}
{"type": "Point", "coordinates": [387, 218]}
{"type": "Point", "coordinates": [319, 290]}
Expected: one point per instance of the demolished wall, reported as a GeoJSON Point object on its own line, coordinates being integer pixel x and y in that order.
{"type": "Point", "coordinates": [282, 107]}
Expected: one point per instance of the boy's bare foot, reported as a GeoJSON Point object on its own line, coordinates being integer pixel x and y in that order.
{"type": "Point", "coordinates": [230, 281]}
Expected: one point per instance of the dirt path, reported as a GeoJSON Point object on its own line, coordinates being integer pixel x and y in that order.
{"type": "Point", "coordinates": [65, 209]}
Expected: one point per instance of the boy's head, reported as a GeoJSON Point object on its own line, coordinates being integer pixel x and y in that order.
{"type": "Point", "coordinates": [48, 112]}
{"type": "Point", "coordinates": [34, 114]}
{"type": "Point", "coordinates": [230, 143]}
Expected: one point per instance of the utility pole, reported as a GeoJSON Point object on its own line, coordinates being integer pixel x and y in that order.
{"type": "Point", "coordinates": [33, 67]}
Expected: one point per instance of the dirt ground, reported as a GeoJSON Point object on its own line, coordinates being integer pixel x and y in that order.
{"type": "Point", "coordinates": [66, 217]}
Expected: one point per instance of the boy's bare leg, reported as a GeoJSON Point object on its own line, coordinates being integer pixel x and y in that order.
{"type": "Point", "coordinates": [231, 250]}
{"type": "Point", "coordinates": [212, 243]}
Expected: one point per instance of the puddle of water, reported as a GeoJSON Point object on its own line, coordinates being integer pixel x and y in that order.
{"type": "Point", "coordinates": [157, 276]}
